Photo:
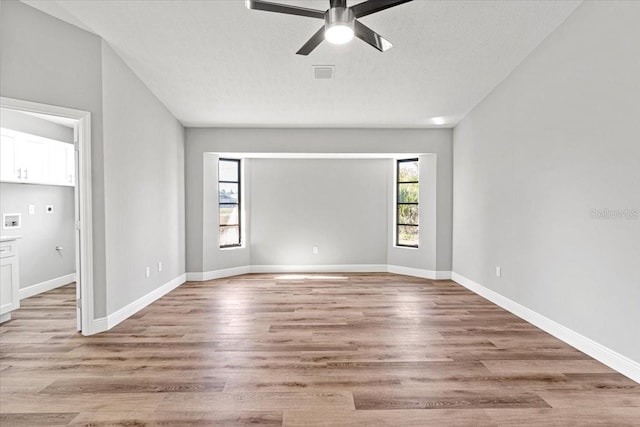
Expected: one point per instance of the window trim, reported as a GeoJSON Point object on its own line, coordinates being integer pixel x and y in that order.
{"type": "Point", "coordinates": [397, 204]}
{"type": "Point", "coordinates": [238, 204]}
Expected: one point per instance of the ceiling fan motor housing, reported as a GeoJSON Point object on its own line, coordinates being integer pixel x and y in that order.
{"type": "Point", "coordinates": [342, 16]}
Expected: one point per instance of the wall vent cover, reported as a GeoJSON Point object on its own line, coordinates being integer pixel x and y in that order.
{"type": "Point", "coordinates": [323, 72]}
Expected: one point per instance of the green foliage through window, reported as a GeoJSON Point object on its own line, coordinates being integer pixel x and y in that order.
{"type": "Point", "coordinates": [408, 195]}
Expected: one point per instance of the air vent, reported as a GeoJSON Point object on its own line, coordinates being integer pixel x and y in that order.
{"type": "Point", "coordinates": [323, 72]}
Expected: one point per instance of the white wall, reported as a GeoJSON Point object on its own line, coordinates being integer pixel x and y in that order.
{"type": "Point", "coordinates": [338, 205]}
{"type": "Point", "coordinates": [144, 186]}
{"type": "Point", "coordinates": [42, 232]}
{"type": "Point", "coordinates": [202, 258]}
{"type": "Point", "coordinates": [559, 138]}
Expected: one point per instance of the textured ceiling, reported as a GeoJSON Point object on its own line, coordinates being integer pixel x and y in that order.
{"type": "Point", "coordinates": [216, 63]}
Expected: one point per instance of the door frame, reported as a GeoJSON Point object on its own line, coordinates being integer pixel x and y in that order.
{"type": "Point", "coordinates": [83, 206]}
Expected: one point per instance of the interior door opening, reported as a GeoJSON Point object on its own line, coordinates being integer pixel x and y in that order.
{"type": "Point", "coordinates": [45, 175]}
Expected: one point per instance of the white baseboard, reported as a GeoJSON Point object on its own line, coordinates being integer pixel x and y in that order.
{"type": "Point", "coordinates": [38, 288]}
{"type": "Point", "coordinates": [418, 272]}
{"type": "Point", "coordinates": [324, 268]}
{"type": "Point", "coordinates": [130, 309]}
{"type": "Point", "coordinates": [99, 325]}
{"type": "Point", "coordinates": [195, 276]}
{"type": "Point", "coordinates": [612, 359]}
{"type": "Point", "coordinates": [218, 274]}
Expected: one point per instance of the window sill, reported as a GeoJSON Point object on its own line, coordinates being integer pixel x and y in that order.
{"type": "Point", "coordinates": [406, 247]}
{"type": "Point", "coordinates": [232, 248]}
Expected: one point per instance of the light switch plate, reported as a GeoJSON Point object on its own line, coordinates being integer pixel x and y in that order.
{"type": "Point", "coordinates": [32, 209]}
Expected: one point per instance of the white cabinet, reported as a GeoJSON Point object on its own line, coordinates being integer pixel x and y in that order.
{"type": "Point", "coordinates": [30, 160]}
{"type": "Point", "coordinates": [61, 163]}
{"type": "Point", "coordinates": [36, 160]}
{"type": "Point", "coordinates": [9, 278]}
{"type": "Point", "coordinates": [23, 158]}
{"type": "Point", "coordinates": [71, 164]}
{"type": "Point", "coordinates": [7, 157]}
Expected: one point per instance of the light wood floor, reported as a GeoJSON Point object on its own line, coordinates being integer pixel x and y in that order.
{"type": "Point", "coordinates": [335, 350]}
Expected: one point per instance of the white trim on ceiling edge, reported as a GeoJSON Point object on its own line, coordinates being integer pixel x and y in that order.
{"type": "Point", "coordinates": [612, 359]}
{"type": "Point", "coordinates": [45, 286]}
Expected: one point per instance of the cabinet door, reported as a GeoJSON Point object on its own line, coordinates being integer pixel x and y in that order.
{"type": "Point", "coordinates": [30, 160]}
{"type": "Point", "coordinates": [57, 170]}
{"type": "Point", "coordinates": [8, 170]}
{"type": "Point", "coordinates": [71, 164]}
{"type": "Point", "coordinates": [9, 298]}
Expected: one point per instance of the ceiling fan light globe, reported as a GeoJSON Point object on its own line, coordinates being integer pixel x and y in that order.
{"type": "Point", "coordinates": [339, 34]}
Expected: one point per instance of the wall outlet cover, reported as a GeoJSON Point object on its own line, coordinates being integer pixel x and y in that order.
{"type": "Point", "coordinates": [32, 209]}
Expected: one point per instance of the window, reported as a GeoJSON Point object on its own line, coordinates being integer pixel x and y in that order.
{"type": "Point", "coordinates": [229, 202]}
{"type": "Point", "coordinates": [407, 203]}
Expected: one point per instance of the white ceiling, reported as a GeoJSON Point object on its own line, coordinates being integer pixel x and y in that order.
{"type": "Point", "coordinates": [216, 63]}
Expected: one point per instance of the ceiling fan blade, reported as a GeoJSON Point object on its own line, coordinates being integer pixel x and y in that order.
{"type": "Point", "coordinates": [313, 42]}
{"type": "Point", "coordinates": [283, 8]}
{"type": "Point", "coordinates": [370, 37]}
{"type": "Point", "coordinates": [373, 6]}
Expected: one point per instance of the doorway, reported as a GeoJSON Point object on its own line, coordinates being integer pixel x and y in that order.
{"type": "Point", "coordinates": [68, 164]}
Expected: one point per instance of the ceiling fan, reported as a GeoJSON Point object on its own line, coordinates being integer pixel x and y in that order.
{"type": "Point", "coordinates": [340, 22]}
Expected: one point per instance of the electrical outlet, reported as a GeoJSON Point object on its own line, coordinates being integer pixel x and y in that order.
{"type": "Point", "coordinates": [498, 271]}
{"type": "Point", "coordinates": [147, 272]}
{"type": "Point", "coordinates": [315, 250]}
{"type": "Point", "coordinates": [32, 209]}
{"type": "Point", "coordinates": [159, 266]}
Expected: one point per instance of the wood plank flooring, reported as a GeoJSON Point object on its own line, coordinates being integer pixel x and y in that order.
{"type": "Point", "coordinates": [303, 350]}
